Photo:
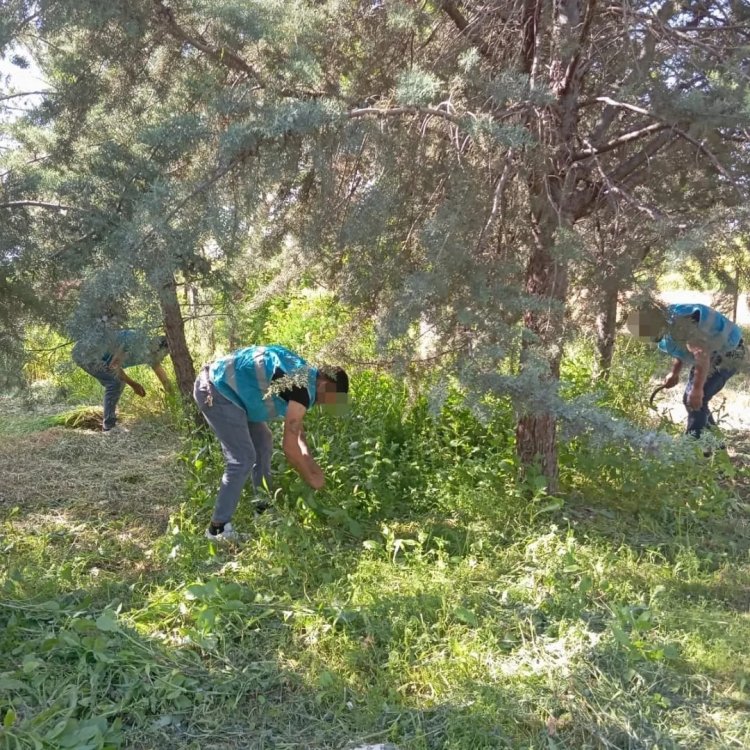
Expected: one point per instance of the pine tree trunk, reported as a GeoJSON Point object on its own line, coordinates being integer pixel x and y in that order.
{"type": "Point", "coordinates": [552, 185]}
{"type": "Point", "coordinates": [174, 325]}
{"type": "Point", "coordinates": [536, 441]}
{"type": "Point", "coordinates": [546, 279]}
{"type": "Point", "coordinates": [606, 328]}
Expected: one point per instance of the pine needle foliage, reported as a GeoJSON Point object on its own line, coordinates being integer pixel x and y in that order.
{"type": "Point", "coordinates": [435, 164]}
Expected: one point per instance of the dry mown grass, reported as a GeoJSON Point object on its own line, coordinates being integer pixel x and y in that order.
{"type": "Point", "coordinates": [81, 475]}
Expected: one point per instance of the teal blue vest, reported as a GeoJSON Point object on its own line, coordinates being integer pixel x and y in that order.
{"type": "Point", "coordinates": [97, 350]}
{"type": "Point", "coordinates": [714, 330]}
{"type": "Point", "coordinates": [245, 376]}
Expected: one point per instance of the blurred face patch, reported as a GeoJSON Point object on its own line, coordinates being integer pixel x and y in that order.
{"type": "Point", "coordinates": [646, 324]}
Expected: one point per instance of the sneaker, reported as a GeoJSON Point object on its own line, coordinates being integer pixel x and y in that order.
{"type": "Point", "coordinates": [227, 536]}
{"type": "Point", "coordinates": [261, 505]}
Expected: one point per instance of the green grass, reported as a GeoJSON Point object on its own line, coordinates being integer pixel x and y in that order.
{"type": "Point", "coordinates": [22, 424]}
{"type": "Point", "coordinates": [429, 597]}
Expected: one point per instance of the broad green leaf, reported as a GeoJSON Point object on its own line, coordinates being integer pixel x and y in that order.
{"type": "Point", "coordinates": [107, 623]}
{"type": "Point", "coordinates": [620, 635]}
{"type": "Point", "coordinates": [466, 616]}
{"type": "Point", "coordinates": [60, 728]}
{"type": "Point", "coordinates": [8, 683]}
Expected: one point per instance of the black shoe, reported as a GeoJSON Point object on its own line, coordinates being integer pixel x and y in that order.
{"type": "Point", "coordinates": [260, 505]}
{"type": "Point", "coordinates": [708, 452]}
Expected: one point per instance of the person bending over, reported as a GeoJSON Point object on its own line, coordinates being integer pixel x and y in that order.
{"type": "Point", "coordinates": [107, 358]}
{"type": "Point", "coordinates": [238, 395]}
{"type": "Point", "coordinates": [701, 337]}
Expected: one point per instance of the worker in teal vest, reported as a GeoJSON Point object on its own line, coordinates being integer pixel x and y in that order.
{"type": "Point", "coordinates": [701, 337]}
{"type": "Point", "coordinates": [106, 356]}
{"type": "Point", "coordinates": [238, 395]}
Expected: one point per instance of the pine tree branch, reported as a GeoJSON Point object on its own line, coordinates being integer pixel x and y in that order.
{"type": "Point", "coordinates": [590, 199]}
{"type": "Point", "coordinates": [574, 64]}
{"type": "Point", "coordinates": [23, 93]}
{"type": "Point", "coordinates": [644, 61]}
{"type": "Point", "coordinates": [678, 131]}
{"type": "Point", "coordinates": [468, 29]}
{"type": "Point", "coordinates": [633, 135]}
{"type": "Point", "coordinates": [653, 213]}
{"type": "Point", "coordinates": [532, 10]}
{"type": "Point", "coordinates": [397, 111]}
{"type": "Point", "coordinates": [624, 105]}
{"type": "Point", "coordinates": [502, 181]}
{"type": "Point", "coordinates": [40, 204]}
{"type": "Point", "coordinates": [718, 166]}
{"type": "Point", "coordinates": [383, 363]}
{"type": "Point", "coordinates": [49, 349]}
{"type": "Point", "coordinates": [222, 55]}
{"type": "Point", "coordinates": [629, 166]}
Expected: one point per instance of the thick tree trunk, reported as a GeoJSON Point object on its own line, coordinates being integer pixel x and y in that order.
{"type": "Point", "coordinates": [536, 441]}
{"type": "Point", "coordinates": [552, 187]}
{"type": "Point", "coordinates": [546, 280]}
{"type": "Point", "coordinates": [174, 325]}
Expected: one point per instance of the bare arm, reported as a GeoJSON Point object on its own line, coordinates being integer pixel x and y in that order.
{"type": "Point", "coordinates": [116, 359]}
{"type": "Point", "coordinates": [119, 372]}
{"type": "Point", "coordinates": [674, 375]}
{"type": "Point", "coordinates": [702, 365]}
{"type": "Point", "coordinates": [296, 450]}
{"type": "Point", "coordinates": [134, 384]}
{"type": "Point", "coordinates": [163, 377]}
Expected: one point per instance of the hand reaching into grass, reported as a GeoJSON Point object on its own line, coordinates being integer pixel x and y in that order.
{"type": "Point", "coordinates": [138, 388]}
{"type": "Point", "coordinates": [134, 384]}
{"type": "Point", "coordinates": [316, 479]}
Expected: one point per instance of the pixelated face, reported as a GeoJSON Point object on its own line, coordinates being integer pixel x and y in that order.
{"type": "Point", "coordinates": [330, 400]}
{"type": "Point", "coordinates": [648, 324]}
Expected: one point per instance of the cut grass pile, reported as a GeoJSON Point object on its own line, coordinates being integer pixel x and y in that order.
{"type": "Point", "coordinates": [83, 418]}
{"type": "Point", "coordinates": [478, 613]}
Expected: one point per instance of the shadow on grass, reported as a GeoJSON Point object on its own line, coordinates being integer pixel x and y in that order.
{"type": "Point", "coordinates": [262, 649]}
{"type": "Point", "coordinates": [77, 671]}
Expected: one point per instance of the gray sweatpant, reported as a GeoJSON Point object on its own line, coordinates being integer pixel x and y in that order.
{"type": "Point", "coordinates": [247, 446]}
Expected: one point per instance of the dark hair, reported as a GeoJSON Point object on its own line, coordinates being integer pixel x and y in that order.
{"type": "Point", "coordinates": [337, 376]}
{"type": "Point", "coordinates": [163, 343]}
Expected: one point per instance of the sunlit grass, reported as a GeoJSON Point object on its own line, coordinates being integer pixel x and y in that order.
{"type": "Point", "coordinates": [429, 598]}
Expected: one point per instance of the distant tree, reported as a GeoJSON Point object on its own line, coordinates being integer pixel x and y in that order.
{"type": "Point", "coordinates": [722, 265]}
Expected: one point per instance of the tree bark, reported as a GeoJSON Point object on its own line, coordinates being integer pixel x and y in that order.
{"type": "Point", "coordinates": [606, 328]}
{"type": "Point", "coordinates": [174, 325]}
{"type": "Point", "coordinates": [551, 183]}
{"type": "Point", "coordinates": [546, 279]}
{"type": "Point", "coordinates": [536, 440]}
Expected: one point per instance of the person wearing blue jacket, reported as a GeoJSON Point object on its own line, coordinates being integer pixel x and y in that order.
{"type": "Point", "coordinates": [699, 336]}
{"type": "Point", "coordinates": [238, 395]}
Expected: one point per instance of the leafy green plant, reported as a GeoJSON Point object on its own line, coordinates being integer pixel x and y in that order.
{"type": "Point", "coordinates": [432, 596]}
